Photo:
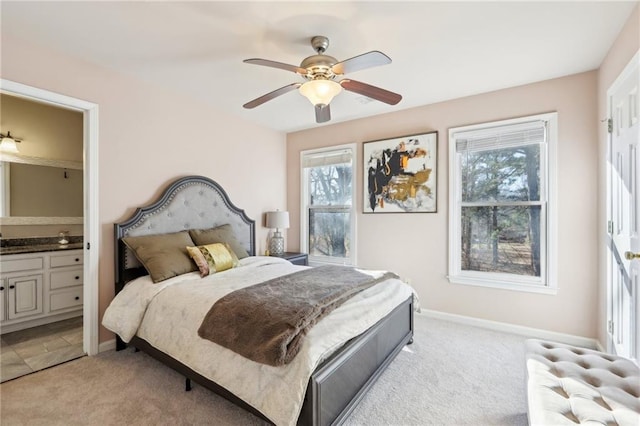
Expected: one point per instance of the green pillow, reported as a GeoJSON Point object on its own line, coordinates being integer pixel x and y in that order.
{"type": "Point", "coordinates": [163, 255]}
{"type": "Point", "coordinates": [220, 234]}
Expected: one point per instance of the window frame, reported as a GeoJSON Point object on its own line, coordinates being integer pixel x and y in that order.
{"type": "Point", "coordinates": [304, 207]}
{"type": "Point", "coordinates": [547, 282]}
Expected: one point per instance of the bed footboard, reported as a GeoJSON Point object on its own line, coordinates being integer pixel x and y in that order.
{"type": "Point", "coordinates": [340, 382]}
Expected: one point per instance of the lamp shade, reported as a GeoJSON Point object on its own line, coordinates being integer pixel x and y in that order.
{"type": "Point", "coordinates": [8, 144]}
{"type": "Point", "coordinates": [278, 220]}
{"type": "Point", "coordinates": [320, 92]}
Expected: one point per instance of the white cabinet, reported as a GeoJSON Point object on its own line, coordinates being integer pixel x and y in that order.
{"type": "Point", "coordinates": [38, 288]}
{"type": "Point", "coordinates": [65, 281]}
{"type": "Point", "coordinates": [3, 289]}
{"type": "Point", "coordinates": [24, 296]}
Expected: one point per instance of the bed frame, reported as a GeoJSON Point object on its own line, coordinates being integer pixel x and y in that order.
{"type": "Point", "coordinates": [340, 382]}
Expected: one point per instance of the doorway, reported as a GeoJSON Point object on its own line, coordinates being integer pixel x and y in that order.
{"type": "Point", "coordinates": [623, 202]}
{"type": "Point", "coordinates": [91, 228]}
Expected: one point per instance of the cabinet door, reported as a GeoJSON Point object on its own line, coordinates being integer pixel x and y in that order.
{"type": "Point", "coordinates": [25, 296]}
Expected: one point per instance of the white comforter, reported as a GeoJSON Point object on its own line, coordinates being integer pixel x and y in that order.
{"type": "Point", "coordinates": [168, 314]}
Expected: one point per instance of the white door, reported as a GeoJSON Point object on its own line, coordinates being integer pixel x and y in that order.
{"type": "Point", "coordinates": [624, 219]}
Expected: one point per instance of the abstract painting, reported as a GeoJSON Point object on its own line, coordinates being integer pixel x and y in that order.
{"type": "Point", "coordinates": [400, 174]}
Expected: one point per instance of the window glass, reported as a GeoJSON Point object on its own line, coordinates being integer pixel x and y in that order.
{"type": "Point", "coordinates": [330, 185]}
{"type": "Point", "coordinates": [501, 239]}
{"type": "Point", "coordinates": [509, 174]}
{"type": "Point", "coordinates": [329, 232]}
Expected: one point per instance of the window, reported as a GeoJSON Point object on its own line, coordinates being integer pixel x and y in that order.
{"type": "Point", "coordinates": [501, 212]}
{"type": "Point", "coordinates": [328, 222]}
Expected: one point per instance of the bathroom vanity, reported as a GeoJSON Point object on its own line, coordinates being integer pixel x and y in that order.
{"type": "Point", "coordinates": [39, 284]}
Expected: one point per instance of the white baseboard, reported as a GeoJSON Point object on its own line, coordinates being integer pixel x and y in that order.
{"type": "Point", "coordinates": [109, 345]}
{"type": "Point", "coordinates": [534, 333]}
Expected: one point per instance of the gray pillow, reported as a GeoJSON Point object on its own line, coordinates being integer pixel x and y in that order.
{"type": "Point", "coordinates": [220, 234]}
{"type": "Point", "coordinates": [163, 255]}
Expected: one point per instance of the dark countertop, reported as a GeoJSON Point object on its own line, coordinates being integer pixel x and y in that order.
{"type": "Point", "coordinates": [37, 245]}
{"type": "Point", "coordinates": [38, 248]}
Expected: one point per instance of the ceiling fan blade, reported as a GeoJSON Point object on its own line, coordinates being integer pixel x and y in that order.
{"type": "Point", "coordinates": [274, 64]}
{"type": "Point", "coordinates": [360, 62]}
{"type": "Point", "coordinates": [264, 98]}
{"type": "Point", "coordinates": [323, 113]}
{"type": "Point", "coordinates": [370, 91]}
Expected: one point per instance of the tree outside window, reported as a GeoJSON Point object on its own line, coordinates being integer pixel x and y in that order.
{"type": "Point", "coordinates": [329, 210]}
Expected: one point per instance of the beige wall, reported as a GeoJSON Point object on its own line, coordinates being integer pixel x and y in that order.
{"type": "Point", "coordinates": [48, 132]}
{"type": "Point", "coordinates": [416, 245]}
{"type": "Point", "coordinates": [138, 126]}
{"type": "Point", "coordinates": [619, 55]}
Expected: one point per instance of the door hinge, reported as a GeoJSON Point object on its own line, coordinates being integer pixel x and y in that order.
{"type": "Point", "coordinates": [610, 327]}
{"type": "Point", "coordinates": [88, 246]}
{"type": "Point", "coordinates": [610, 226]}
{"type": "Point", "coordinates": [610, 125]}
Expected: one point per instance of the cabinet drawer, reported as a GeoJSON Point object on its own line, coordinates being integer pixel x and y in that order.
{"type": "Point", "coordinates": [61, 279]}
{"type": "Point", "coordinates": [66, 260]}
{"type": "Point", "coordinates": [12, 265]}
{"type": "Point", "coordinates": [65, 299]}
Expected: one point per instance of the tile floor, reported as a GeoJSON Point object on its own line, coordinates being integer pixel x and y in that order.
{"type": "Point", "coordinates": [25, 351]}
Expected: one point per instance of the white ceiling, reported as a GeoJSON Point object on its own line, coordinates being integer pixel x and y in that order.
{"type": "Point", "coordinates": [440, 50]}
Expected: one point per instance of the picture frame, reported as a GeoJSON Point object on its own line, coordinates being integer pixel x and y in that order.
{"type": "Point", "coordinates": [401, 174]}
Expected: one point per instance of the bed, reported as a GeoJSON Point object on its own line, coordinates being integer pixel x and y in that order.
{"type": "Point", "coordinates": [342, 355]}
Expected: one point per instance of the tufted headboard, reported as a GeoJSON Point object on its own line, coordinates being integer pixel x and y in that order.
{"type": "Point", "coordinates": [192, 202]}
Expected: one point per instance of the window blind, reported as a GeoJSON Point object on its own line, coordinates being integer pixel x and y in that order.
{"type": "Point", "coordinates": [508, 136]}
{"type": "Point", "coordinates": [327, 158]}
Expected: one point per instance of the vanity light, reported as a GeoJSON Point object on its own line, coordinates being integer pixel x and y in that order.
{"type": "Point", "coordinates": [8, 143]}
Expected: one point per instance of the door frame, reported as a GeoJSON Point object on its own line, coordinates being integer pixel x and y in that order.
{"type": "Point", "coordinates": [622, 76]}
{"type": "Point", "coordinates": [91, 217]}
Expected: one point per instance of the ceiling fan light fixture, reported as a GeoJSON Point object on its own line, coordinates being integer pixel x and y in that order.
{"type": "Point", "coordinates": [320, 92]}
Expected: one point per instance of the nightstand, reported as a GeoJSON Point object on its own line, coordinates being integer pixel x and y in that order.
{"type": "Point", "coordinates": [296, 258]}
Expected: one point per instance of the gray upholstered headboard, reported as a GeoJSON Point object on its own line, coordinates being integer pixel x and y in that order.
{"type": "Point", "coordinates": [192, 202]}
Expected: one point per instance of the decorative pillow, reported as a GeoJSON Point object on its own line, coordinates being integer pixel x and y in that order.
{"type": "Point", "coordinates": [221, 234]}
{"type": "Point", "coordinates": [163, 255]}
{"type": "Point", "coordinates": [212, 258]}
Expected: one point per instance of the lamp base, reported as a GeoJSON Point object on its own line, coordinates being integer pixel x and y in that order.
{"type": "Point", "coordinates": [276, 244]}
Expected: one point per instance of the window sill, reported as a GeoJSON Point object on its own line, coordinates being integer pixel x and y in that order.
{"type": "Point", "coordinates": [527, 288]}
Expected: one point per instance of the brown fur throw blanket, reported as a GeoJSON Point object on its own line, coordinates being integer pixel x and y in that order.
{"type": "Point", "coordinates": [266, 322]}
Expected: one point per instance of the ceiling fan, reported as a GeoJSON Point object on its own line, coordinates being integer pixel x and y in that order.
{"type": "Point", "coordinates": [320, 71]}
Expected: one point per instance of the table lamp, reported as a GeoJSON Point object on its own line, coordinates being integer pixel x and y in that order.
{"type": "Point", "coordinates": [277, 220]}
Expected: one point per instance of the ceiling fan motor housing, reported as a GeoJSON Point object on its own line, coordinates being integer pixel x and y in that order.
{"type": "Point", "coordinates": [319, 66]}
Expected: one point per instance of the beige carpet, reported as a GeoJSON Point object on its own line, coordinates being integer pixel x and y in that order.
{"type": "Point", "coordinates": [452, 375]}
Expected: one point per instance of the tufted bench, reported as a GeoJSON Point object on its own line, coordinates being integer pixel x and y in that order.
{"type": "Point", "coordinates": [567, 385]}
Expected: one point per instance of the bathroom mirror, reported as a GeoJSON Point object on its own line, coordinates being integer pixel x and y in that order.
{"type": "Point", "coordinates": [41, 192]}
